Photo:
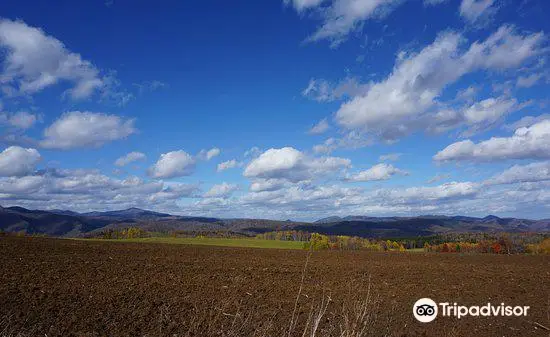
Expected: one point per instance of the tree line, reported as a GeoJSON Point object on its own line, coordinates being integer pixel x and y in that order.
{"type": "Point", "coordinates": [495, 243]}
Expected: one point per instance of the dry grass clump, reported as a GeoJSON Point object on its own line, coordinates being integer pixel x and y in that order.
{"type": "Point", "coordinates": [353, 315]}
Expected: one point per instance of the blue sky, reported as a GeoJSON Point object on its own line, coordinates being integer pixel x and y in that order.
{"type": "Point", "coordinates": [277, 109]}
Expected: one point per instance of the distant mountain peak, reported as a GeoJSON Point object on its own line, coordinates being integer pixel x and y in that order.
{"type": "Point", "coordinates": [329, 219]}
{"type": "Point", "coordinates": [138, 209]}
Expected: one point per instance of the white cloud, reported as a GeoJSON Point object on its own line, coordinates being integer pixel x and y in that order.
{"type": "Point", "coordinates": [18, 161]}
{"type": "Point", "coordinates": [292, 165]}
{"type": "Point", "coordinates": [253, 152]}
{"type": "Point", "coordinates": [404, 102]}
{"type": "Point", "coordinates": [528, 81]}
{"type": "Point", "coordinates": [390, 156]}
{"type": "Point", "coordinates": [276, 162]}
{"type": "Point", "coordinates": [526, 121]}
{"type": "Point", "coordinates": [173, 164]}
{"type": "Point", "coordinates": [226, 165]}
{"type": "Point", "coordinates": [475, 117]}
{"type": "Point", "coordinates": [344, 16]}
{"type": "Point", "coordinates": [21, 185]}
{"type": "Point", "coordinates": [489, 110]}
{"type": "Point", "coordinates": [222, 190]}
{"type": "Point", "coordinates": [212, 153]}
{"type": "Point", "coordinates": [21, 120]}
{"type": "Point", "coordinates": [320, 127]}
{"type": "Point", "coordinates": [129, 158]}
{"type": "Point", "coordinates": [351, 140]}
{"type": "Point", "coordinates": [475, 10]}
{"type": "Point", "coordinates": [422, 194]}
{"type": "Point", "coordinates": [310, 201]}
{"type": "Point", "coordinates": [297, 196]}
{"type": "Point", "coordinates": [301, 5]}
{"type": "Point", "coordinates": [86, 129]}
{"type": "Point", "coordinates": [259, 185]}
{"type": "Point", "coordinates": [534, 172]}
{"type": "Point", "coordinates": [209, 154]}
{"type": "Point", "coordinates": [467, 94]}
{"type": "Point", "coordinates": [324, 91]}
{"type": "Point", "coordinates": [526, 143]}
{"type": "Point", "coordinates": [34, 61]}
{"type": "Point", "coordinates": [376, 173]}
{"type": "Point", "coordinates": [85, 190]}
{"type": "Point", "coordinates": [438, 177]}
{"type": "Point", "coordinates": [172, 192]}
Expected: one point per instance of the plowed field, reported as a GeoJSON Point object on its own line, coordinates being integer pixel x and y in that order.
{"type": "Point", "coordinates": [53, 287]}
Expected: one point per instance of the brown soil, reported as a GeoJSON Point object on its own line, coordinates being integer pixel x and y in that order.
{"type": "Point", "coordinates": [51, 287]}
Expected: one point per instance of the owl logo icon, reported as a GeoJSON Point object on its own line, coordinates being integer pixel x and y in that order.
{"type": "Point", "coordinates": [425, 310]}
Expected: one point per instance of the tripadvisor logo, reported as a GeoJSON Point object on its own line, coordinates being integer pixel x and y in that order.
{"type": "Point", "coordinates": [425, 310]}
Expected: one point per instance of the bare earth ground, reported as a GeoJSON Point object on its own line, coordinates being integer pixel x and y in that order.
{"type": "Point", "coordinates": [51, 287]}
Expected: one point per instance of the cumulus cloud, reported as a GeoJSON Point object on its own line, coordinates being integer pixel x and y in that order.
{"type": "Point", "coordinates": [259, 185]}
{"type": "Point", "coordinates": [341, 17]}
{"type": "Point", "coordinates": [313, 198]}
{"type": "Point", "coordinates": [534, 172]}
{"type": "Point", "coordinates": [209, 154]}
{"type": "Point", "coordinates": [276, 162]}
{"type": "Point", "coordinates": [475, 10]}
{"type": "Point", "coordinates": [311, 201]}
{"type": "Point", "coordinates": [34, 61]}
{"type": "Point", "coordinates": [526, 121]}
{"type": "Point", "coordinates": [86, 129]}
{"type": "Point", "coordinates": [20, 120]}
{"type": "Point", "coordinates": [406, 100]}
{"type": "Point", "coordinates": [452, 190]}
{"type": "Point", "coordinates": [376, 173]}
{"type": "Point", "coordinates": [351, 140]}
{"type": "Point", "coordinates": [212, 153]}
{"type": "Point", "coordinates": [226, 165]}
{"type": "Point", "coordinates": [475, 117]}
{"type": "Point", "coordinates": [130, 158]}
{"type": "Point", "coordinates": [320, 127]}
{"type": "Point", "coordinates": [18, 161]}
{"type": "Point", "coordinates": [292, 165]}
{"type": "Point", "coordinates": [488, 112]}
{"type": "Point", "coordinates": [173, 164]}
{"type": "Point", "coordinates": [85, 190]}
{"type": "Point", "coordinates": [20, 185]}
{"type": "Point", "coordinates": [222, 190]}
{"type": "Point", "coordinates": [531, 142]}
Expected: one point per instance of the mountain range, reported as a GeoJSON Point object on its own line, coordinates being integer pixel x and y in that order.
{"type": "Point", "coordinates": [65, 223]}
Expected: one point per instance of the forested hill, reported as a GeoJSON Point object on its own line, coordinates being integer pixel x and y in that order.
{"type": "Point", "coordinates": [68, 223]}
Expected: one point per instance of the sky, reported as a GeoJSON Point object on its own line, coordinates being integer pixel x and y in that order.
{"type": "Point", "coordinates": [277, 109]}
